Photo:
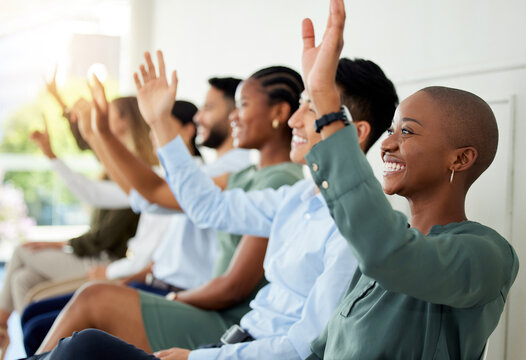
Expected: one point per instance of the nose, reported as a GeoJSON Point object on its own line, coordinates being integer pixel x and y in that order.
{"type": "Point", "coordinates": [295, 120]}
{"type": "Point", "coordinates": [390, 143]}
{"type": "Point", "coordinates": [197, 117]}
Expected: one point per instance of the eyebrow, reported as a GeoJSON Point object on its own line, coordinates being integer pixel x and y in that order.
{"type": "Point", "coordinates": [413, 120]}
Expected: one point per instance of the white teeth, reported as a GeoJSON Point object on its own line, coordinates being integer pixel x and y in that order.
{"type": "Point", "coordinates": [298, 139]}
{"type": "Point", "coordinates": [393, 166]}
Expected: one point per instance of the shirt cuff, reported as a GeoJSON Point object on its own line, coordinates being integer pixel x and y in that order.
{"type": "Point", "coordinates": [204, 354]}
{"type": "Point", "coordinates": [137, 201]}
{"type": "Point", "coordinates": [326, 158]}
{"type": "Point", "coordinates": [174, 155]}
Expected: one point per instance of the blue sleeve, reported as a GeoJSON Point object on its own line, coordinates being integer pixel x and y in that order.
{"type": "Point", "coordinates": [139, 205]}
{"type": "Point", "coordinates": [232, 211]}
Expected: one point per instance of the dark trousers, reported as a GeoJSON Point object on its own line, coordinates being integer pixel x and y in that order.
{"type": "Point", "coordinates": [93, 344]}
{"type": "Point", "coordinates": [38, 317]}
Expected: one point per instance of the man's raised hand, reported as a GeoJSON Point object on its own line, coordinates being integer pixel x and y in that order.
{"type": "Point", "coordinates": [155, 95]}
{"type": "Point", "coordinates": [320, 62]}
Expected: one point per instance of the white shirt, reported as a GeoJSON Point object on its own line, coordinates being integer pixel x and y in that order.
{"type": "Point", "coordinates": [185, 255]}
{"type": "Point", "coordinates": [102, 194]}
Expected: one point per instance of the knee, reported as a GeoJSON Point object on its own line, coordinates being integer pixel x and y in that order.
{"type": "Point", "coordinates": [94, 296]}
{"type": "Point", "coordinates": [86, 344]}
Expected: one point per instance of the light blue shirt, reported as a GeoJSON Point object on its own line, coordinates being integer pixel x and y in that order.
{"type": "Point", "coordinates": [308, 263]}
{"type": "Point", "coordinates": [186, 254]}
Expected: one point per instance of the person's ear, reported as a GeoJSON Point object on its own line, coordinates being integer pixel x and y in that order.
{"type": "Point", "coordinates": [463, 158]}
{"type": "Point", "coordinates": [280, 114]}
{"type": "Point", "coordinates": [364, 130]}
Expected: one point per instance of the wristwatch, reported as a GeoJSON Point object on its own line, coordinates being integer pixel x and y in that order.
{"type": "Point", "coordinates": [326, 119]}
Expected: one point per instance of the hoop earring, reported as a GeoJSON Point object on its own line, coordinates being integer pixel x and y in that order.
{"type": "Point", "coordinates": [451, 177]}
{"type": "Point", "coordinates": [275, 123]}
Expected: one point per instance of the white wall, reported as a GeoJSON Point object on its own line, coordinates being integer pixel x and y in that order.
{"type": "Point", "coordinates": [474, 44]}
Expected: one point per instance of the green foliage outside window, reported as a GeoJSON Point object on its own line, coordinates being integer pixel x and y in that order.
{"type": "Point", "coordinates": [48, 201]}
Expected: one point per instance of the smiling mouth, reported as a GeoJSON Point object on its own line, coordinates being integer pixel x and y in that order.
{"type": "Point", "coordinates": [393, 167]}
{"type": "Point", "coordinates": [298, 140]}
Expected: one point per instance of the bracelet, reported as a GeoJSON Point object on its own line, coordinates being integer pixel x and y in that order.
{"type": "Point", "coordinates": [326, 119]}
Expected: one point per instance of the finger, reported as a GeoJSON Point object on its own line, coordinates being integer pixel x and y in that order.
{"type": "Point", "coordinates": [45, 124]}
{"type": "Point", "coordinates": [337, 14]}
{"type": "Point", "coordinates": [144, 74]}
{"type": "Point", "coordinates": [175, 80]}
{"type": "Point", "coordinates": [138, 84]}
{"type": "Point", "coordinates": [162, 353]}
{"type": "Point", "coordinates": [160, 61]}
{"type": "Point", "coordinates": [151, 67]}
{"type": "Point", "coordinates": [307, 31]}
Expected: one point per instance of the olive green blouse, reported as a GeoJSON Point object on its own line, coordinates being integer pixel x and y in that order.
{"type": "Point", "coordinates": [415, 296]}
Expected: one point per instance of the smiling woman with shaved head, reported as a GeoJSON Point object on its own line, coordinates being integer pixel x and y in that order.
{"type": "Point", "coordinates": [431, 290]}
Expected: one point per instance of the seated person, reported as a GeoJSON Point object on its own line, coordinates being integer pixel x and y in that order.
{"type": "Point", "coordinates": [436, 289]}
{"type": "Point", "coordinates": [307, 260]}
{"type": "Point", "coordinates": [225, 299]}
{"type": "Point", "coordinates": [36, 262]}
{"type": "Point", "coordinates": [184, 258]}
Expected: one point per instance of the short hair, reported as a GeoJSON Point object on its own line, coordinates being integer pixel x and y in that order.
{"type": "Point", "coordinates": [227, 85]}
{"type": "Point", "coordinates": [368, 94]}
{"type": "Point", "coordinates": [184, 112]}
{"type": "Point", "coordinates": [281, 84]}
{"type": "Point", "coordinates": [468, 121]}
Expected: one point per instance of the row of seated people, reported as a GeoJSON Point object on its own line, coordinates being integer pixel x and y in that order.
{"type": "Point", "coordinates": [313, 268]}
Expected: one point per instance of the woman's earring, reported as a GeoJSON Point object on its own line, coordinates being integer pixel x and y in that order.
{"type": "Point", "coordinates": [275, 123]}
{"type": "Point", "coordinates": [451, 177]}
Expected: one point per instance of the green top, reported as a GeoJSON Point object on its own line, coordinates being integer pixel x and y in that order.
{"type": "Point", "coordinates": [251, 178]}
{"type": "Point", "coordinates": [437, 296]}
{"type": "Point", "coordinates": [109, 232]}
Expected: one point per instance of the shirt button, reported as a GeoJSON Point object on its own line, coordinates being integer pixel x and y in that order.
{"type": "Point", "coordinates": [307, 216]}
{"type": "Point", "coordinates": [325, 184]}
{"type": "Point", "coordinates": [315, 167]}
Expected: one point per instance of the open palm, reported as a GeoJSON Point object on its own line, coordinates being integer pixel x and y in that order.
{"type": "Point", "coordinates": [320, 62]}
{"type": "Point", "coordinates": [155, 96]}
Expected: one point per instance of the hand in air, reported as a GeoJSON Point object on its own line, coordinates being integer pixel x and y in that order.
{"type": "Point", "coordinates": [41, 139]}
{"type": "Point", "coordinates": [51, 86]}
{"type": "Point", "coordinates": [81, 110]}
{"type": "Point", "coordinates": [320, 62]}
{"type": "Point", "coordinates": [155, 96]}
{"type": "Point", "coordinates": [99, 107]}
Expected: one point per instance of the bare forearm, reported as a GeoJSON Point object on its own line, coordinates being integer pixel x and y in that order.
{"type": "Point", "coordinates": [243, 275]}
{"type": "Point", "coordinates": [137, 173]}
{"type": "Point", "coordinates": [99, 149]}
{"type": "Point", "coordinates": [217, 294]}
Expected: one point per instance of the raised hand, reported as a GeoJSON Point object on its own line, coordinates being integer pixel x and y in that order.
{"type": "Point", "coordinates": [155, 96]}
{"type": "Point", "coordinates": [51, 87]}
{"type": "Point", "coordinates": [82, 112]}
{"type": "Point", "coordinates": [320, 62]}
{"type": "Point", "coordinates": [99, 107]}
{"type": "Point", "coordinates": [41, 139]}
